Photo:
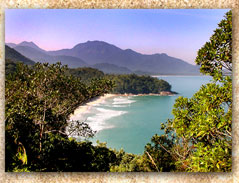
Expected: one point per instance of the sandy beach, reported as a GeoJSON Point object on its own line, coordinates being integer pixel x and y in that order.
{"type": "Point", "coordinates": [84, 108]}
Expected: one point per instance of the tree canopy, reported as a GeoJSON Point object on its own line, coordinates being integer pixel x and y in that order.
{"type": "Point", "coordinates": [39, 101]}
{"type": "Point", "coordinates": [135, 84]}
{"type": "Point", "coordinates": [86, 74]}
{"type": "Point", "coordinates": [201, 127]}
{"type": "Point", "coordinates": [216, 54]}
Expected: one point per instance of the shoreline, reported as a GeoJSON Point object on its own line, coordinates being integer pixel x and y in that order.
{"type": "Point", "coordinates": [87, 106]}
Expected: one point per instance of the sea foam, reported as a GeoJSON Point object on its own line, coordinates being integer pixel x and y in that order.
{"type": "Point", "coordinates": [99, 121]}
{"type": "Point", "coordinates": [122, 100]}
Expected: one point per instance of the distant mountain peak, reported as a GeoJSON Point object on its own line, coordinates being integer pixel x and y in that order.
{"type": "Point", "coordinates": [163, 54]}
{"type": "Point", "coordinates": [129, 50]}
{"type": "Point", "coordinates": [97, 45]}
{"type": "Point", "coordinates": [30, 44]}
{"type": "Point", "coordinates": [27, 43]}
{"type": "Point", "coordinates": [96, 42]}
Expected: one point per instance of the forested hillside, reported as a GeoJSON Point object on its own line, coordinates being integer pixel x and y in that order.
{"type": "Point", "coordinates": [14, 56]}
{"type": "Point", "coordinates": [135, 84]}
{"type": "Point", "coordinates": [125, 84]}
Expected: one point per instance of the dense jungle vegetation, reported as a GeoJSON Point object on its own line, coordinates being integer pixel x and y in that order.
{"type": "Point", "coordinates": [127, 83]}
{"type": "Point", "coordinates": [40, 98]}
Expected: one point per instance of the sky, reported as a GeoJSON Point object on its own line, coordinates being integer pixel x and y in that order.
{"type": "Point", "coordinates": [177, 32]}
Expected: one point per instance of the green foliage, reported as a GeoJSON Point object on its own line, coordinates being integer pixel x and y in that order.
{"type": "Point", "coordinates": [86, 74]}
{"type": "Point", "coordinates": [198, 138]}
{"type": "Point", "coordinates": [99, 86]}
{"type": "Point", "coordinates": [160, 159]}
{"type": "Point", "coordinates": [216, 55]}
{"type": "Point", "coordinates": [62, 154]}
{"type": "Point", "coordinates": [135, 84]}
{"type": "Point", "coordinates": [127, 162]}
{"type": "Point", "coordinates": [205, 122]}
{"type": "Point", "coordinates": [10, 66]}
{"type": "Point", "coordinates": [200, 132]}
{"type": "Point", "coordinates": [128, 83]}
{"type": "Point", "coordinates": [155, 157]}
{"type": "Point", "coordinates": [39, 100]}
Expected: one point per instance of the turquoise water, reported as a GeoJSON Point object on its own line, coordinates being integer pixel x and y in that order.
{"type": "Point", "coordinates": [129, 122]}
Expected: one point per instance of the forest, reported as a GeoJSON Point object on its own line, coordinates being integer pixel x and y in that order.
{"type": "Point", "coordinates": [40, 98]}
{"type": "Point", "coordinates": [126, 83]}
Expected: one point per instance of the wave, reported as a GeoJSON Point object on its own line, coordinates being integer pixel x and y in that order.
{"type": "Point", "coordinates": [122, 100]}
{"type": "Point", "coordinates": [98, 121]}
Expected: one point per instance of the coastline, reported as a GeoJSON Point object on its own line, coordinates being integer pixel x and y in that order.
{"type": "Point", "coordinates": [86, 107]}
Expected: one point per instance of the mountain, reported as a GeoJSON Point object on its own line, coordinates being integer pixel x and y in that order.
{"type": "Point", "coordinates": [11, 45]}
{"type": "Point", "coordinates": [11, 59]}
{"type": "Point", "coordinates": [95, 52]}
{"type": "Point", "coordinates": [109, 58]}
{"type": "Point", "coordinates": [13, 56]}
{"type": "Point", "coordinates": [32, 51]}
{"type": "Point", "coordinates": [26, 43]}
{"type": "Point", "coordinates": [111, 68]}
{"type": "Point", "coordinates": [30, 44]}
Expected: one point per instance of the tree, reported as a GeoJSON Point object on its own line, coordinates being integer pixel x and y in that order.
{"type": "Point", "coordinates": [216, 55]}
{"type": "Point", "coordinates": [86, 74]}
{"type": "Point", "coordinates": [204, 122]}
{"type": "Point", "coordinates": [39, 101]}
{"type": "Point", "coordinates": [132, 83]}
{"type": "Point", "coordinates": [201, 127]}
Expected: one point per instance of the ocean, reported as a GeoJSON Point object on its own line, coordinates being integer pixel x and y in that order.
{"type": "Point", "coordinates": [129, 122]}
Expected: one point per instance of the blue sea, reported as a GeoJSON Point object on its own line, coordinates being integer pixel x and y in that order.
{"type": "Point", "coordinates": [129, 122]}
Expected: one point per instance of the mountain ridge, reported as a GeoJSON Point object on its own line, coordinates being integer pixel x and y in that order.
{"type": "Point", "coordinates": [99, 52]}
{"type": "Point", "coordinates": [39, 55]}
{"type": "Point", "coordinates": [14, 56]}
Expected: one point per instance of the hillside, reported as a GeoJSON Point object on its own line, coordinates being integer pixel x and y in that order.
{"type": "Point", "coordinates": [86, 74]}
{"type": "Point", "coordinates": [134, 84]}
{"type": "Point", "coordinates": [14, 56]}
{"type": "Point", "coordinates": [111, 68]}
{"type": "Point", "coordinates": [39, 55]}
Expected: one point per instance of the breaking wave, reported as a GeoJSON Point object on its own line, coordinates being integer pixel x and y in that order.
{"type": "Point", "coordinates": [99, 120]}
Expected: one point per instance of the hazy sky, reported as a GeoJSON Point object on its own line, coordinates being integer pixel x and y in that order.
{"type": "Point", "coordinates": [176, 32]}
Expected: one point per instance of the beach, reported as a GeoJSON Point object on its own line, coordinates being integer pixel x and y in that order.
{"type": "Point", "coordinates": [97, 100]}
{"type": "Point", "coordinates": [86, 107]}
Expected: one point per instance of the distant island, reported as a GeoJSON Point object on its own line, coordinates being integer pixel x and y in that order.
{"type": "Point", "coordinates": [108, 58]}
